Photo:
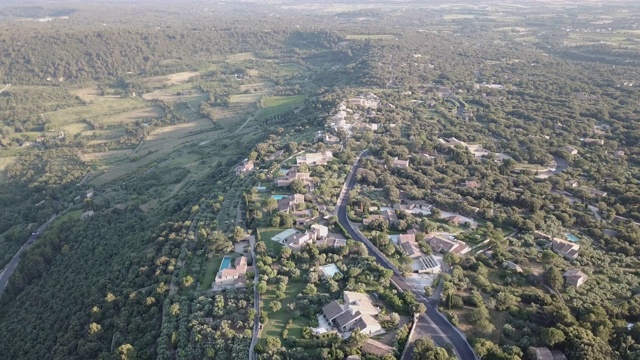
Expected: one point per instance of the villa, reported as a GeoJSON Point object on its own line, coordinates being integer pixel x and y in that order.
{"type": "Point", "coordinates": [291, 175]}
{"type": "Point", "coordinates": [315, 158]}
{"type": "Point", "coordinates": [574, 277]}
{"type": "Point", "coordinates": [400, 163]}
{"type": "Point", "coordinates": [244, 168]}
{"type": "Point", "coordinates": [567, 249]}
{"type": "Point", "coordinates": [442, 245]}
{"type": "Point", "coordinates": [357, 312]}
{"type": "Point", "coordinates": [288, 203]}
{"type": "Point", "coordinates": [231, 277]}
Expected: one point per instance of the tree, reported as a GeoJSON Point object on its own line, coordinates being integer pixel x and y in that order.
{"type": "Point", "coordinates": [262, 287]}
{"type": "Point", "coordinates": [425, 349]}
{"type": "Point", "coordinates": [126, 351]}
{"type": "Point", "coordinates": [553, 276]}
{"type": "Point", "coordinates": [275, 306]}
{"type": "Point", "coordinates": [297, 186]}
{"type": "Point", "coordinates": [270, 204]}
{"type": "Point", "coordinates": [239, 233]}
{"type": "Point", "coordinates": [310, 289]}
{"type": "Point", "coordinates": [94, 328]}
{"type": "Point", "coordinates": [552, 336]}
{"type": "Point", "coordinates": [273, 344]}
{"type": "Point", "coordinates": [187, 281]}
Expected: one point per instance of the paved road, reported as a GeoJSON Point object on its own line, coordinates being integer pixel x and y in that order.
{"type": "Point", "coordinates": [13, 264]}
{"type": "Point", "coordinates": [435, 324]}
{"type": "Point", "coordinates": [256, 304]}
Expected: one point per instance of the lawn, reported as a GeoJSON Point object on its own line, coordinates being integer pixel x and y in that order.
{"type": "Point", "coordinates": [210, 271]}
{"type": "Point", "coordinates": [266, 235]}
{"type": "Point", "coordinates": [279, 319]}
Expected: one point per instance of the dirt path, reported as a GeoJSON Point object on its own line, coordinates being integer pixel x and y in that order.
{"type": "Point", "coordinates": [249, 119]}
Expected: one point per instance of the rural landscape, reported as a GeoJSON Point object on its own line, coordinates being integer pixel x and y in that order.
{"type": "Point", "coordinates": [345, 179]}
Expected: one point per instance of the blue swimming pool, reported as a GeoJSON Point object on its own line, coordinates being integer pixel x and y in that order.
{"type": "Point", "coordinates": [572, 238]}
{"type": "Point", "coordinates": [226, 263]}
{"type": "Point", "coordinates": [278, 197]}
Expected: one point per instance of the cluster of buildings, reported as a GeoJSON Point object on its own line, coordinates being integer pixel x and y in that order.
{"type": "Point", "coordinates": [356, 312]}
{"type": "Point", "coordinates": [293, 174]}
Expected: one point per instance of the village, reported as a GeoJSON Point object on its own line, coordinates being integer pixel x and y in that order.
{"type": "Point", "coordinates": [421, 239]}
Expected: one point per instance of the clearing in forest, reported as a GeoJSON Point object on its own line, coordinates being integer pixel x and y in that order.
{"type": "Point", "coordinates": [177, 78]}
{"type": "Point", "coordinates": [93, 111]}
{"type": "Point", "coordinates": [241, 57]}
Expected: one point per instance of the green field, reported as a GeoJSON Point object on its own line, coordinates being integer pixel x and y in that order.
{"type": "Point", "coordinates": [371, 37]}
{"type": "Point", "coordinates": [92, 111]}
{"type": "Point", "coordinates": [266, 236]}
{"type": "Point", "coordinates": [279, 104]}
{"type": "Point", "coordinates": [279, 319]}
{"type": "Point", "coordinates": [211, 270]}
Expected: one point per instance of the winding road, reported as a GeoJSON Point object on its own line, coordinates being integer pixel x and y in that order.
{"type": "Point", "coordinates": [433, 323]}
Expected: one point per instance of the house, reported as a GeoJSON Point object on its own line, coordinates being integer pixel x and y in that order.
{"type": "Point", "coordinates": [330, 139]}
{"type": "Point", "coordinates": [90, 193]}
{"type": "Point", "coordinates": [429, 265]}
{"type": "Point", "coordinates": [409, 246]}
{"type": "Point", "coordinates": [291, 175]}
{"type": "Point", "coordinates": [388, 215]}
{"type": "Point", "coordinates": [244, 168]}
{"type": "Point", "coordinates": [353, 357]}
{"type": "Point", "coordinates": [593, 141]}
{"type": "Point", "coordinates": [513, 266]}
{"type": "Point", "coordinates": [472, 184]}
{"type": "Point", "coordinates": [594, 192]}
{"type": "Point", "coordinates": [574, 277]}
{"type": "Point", "coordinates": [297, 240]}
{"type": "Point", "coordinates": [573, 183]}
{"type": "Point", "coordinates": [320, 230]}
{"type": "Point", "coordinates": [376, 348]}
{"type": "Point", "coordinates": [543, 353]}
{"type": "Point", "coordinates": [442, 245]}
{"type": "Point", "coordinates": [288, 204]}
{"type": "Point", "coordinates": [276, 155]}
{"type": "Point", "coordinates": [331, 242]}
{"type": "Point", "coordinates": [570, 150]}
{"type": "Point", "coordinates": [457, 219]}
{"type": "Point", "coordinates": [233, 277]}
{"type": "Point", "coordinates": [400, 163]}
{"type": "Point", "coordinates": [567, 249]}
{"type": "Point", "coordinates": [315, 158]}
{"type": "Point", "coordinates": [619, 154]}
{"type": "Point", "coordinates": [357, 312]}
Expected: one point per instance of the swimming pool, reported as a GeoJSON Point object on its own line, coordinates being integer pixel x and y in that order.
{"type": "Point", "coordinates": [572, 237]}
{"type": "Point", "coordinates": [278, 197]}
{"type": "Point", "coordinates": [226, 263]}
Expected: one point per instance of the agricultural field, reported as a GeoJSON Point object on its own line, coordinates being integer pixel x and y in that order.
{"type": "Point", "coordinates": [131, 116]}
{"type": "Point", "coordinates": [371, 37]}
{"type": "Point", "coordinates": [92, 111]}
{"type": "Point", "coordinates": [177, 78]}
{"type": "Point", "coordinates": [240, 57]}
